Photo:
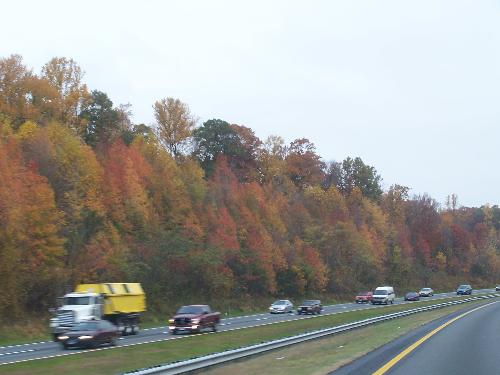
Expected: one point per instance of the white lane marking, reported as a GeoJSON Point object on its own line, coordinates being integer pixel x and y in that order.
{"type": "Point", "coordinates": [18, 352]}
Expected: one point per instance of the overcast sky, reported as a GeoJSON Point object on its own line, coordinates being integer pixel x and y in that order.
{"type": "Point", "coordinates": [412, 87]}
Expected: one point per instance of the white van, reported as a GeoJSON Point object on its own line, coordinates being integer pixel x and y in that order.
{"type": "Point", "coordinates": [383, 294]}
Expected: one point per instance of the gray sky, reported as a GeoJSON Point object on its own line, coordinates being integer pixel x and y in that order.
{"type": "Point", "coordinates": [412, 87]}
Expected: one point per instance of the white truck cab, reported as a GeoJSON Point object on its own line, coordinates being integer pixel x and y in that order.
{"type": "Point", "coordinates": [74, 308]}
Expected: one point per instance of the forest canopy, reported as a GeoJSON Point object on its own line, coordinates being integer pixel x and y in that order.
{"type": "Point", "coordinates": [209, 209]}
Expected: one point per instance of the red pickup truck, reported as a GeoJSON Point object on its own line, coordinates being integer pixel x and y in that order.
{"type": "Point", "coordinates": [194, 318]}
{"type": "Point", "coordinates": [364, 297]}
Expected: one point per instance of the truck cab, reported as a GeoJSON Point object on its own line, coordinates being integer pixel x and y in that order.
{"type": "Point", "coordinates": [75, 308]}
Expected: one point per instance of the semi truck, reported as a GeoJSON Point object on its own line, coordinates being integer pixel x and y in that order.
{"type": "Point", "coordinates": [119, 303]}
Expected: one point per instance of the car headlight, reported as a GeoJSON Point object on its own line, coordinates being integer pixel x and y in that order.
{"type": "Point", "coordinates": [171, 321]}
{"type": "Point", "coordinates": [85, 337]}
{"type": "Point", "coordinates": [63, 337]}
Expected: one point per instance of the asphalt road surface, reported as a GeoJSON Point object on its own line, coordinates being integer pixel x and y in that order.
{"type": "Point", "coordinates": [465, 342]}
{"type": "Point", "coordinates": [39, 350]}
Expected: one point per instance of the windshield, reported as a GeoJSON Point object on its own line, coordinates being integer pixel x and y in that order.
{"type": "Point", "coordinates": [190, 310]}
{"type": "Point", "coordinates": [381, 292]}
{"type": "Point", "coordinates": [76, 300]}
{"type": "Point", "coordinates": [279, 303]}
{"type": "Point", "coordinates": [85, 326]}
{"type": "Point", "coordinates": [308, 303]}
{"type": "Point", "coordinates": [364, 294]}
{"type": "Point", "coordinates": [426, 289]}
{"type": "Point", "coordinates": [463, 287]}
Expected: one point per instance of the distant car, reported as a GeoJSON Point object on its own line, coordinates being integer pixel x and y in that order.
{"type": "Point", "coordinates": [464, 289]}
{"type": "Point", "coordinates": [497, 288]}
{"type": "Point", "coordinates": [89, 334]}
{"type": "Point", "coordinates": [281, 306]}
{"type": "Point", "coordinates": [310, 306]}
{"type": "Point", "coordinates": [412, 296]}
{"type": "Point", "coordinates": [426, 292]}
{"type": "Point", "coordinates": [364, 297]}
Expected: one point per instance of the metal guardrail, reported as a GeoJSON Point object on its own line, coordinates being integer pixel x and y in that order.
{"type": "Point", "coordinates": [233, 354]}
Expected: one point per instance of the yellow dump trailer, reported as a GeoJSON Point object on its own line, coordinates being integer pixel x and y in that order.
{"type": "Point", "coordinates": [119, 298]}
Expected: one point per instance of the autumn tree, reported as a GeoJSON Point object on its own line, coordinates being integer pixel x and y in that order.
{"type": "Point", "coordinates": [303, 165]}
{"type": "Point", "coordinates": [31, 248]}
{"type": "Point", "coordinates": [271, 159]}
{"type": "Point", "coordinates": [13, 90]}
{"type": "Point", "coordinates": [66, 76]}
{"type": "Point", "coordinates": [174, 123]}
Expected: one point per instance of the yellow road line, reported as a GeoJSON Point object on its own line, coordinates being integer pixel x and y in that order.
{"type": "Point", "coordinates": [412, 347]}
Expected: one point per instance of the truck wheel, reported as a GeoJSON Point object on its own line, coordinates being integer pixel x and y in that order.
{"type": "Point", "coordinates": [55, 337]}
{"type": "Point", "coordinates": [121, 327]}
{"type": "Point", "coordinates": [112, 342]}
{"type": "Point", "coordinates": [135, 329]}
{"type": "Point", "coordinates": [214, 328]}
{"type": "Point", "coordinates": [174, 332]}
{"type": "Point", "coordinates": [127, 329]}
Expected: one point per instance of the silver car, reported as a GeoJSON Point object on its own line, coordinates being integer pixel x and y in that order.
{"type": "Point", "coordinates": [426, 292]}
{"type": "Point", "coordinates": [281, 306]}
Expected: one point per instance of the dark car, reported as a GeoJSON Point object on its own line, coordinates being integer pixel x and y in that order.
{"type": "Point", "coordinates": [412, 296]}
{"type": "Point", "coordinates": [194, 318]}
{"type": "Point", "coordinates": [497, 288]}
{"type": "Point", "coordinates": [364, 297]}
{"type": "Point", "coordinates": [464, 289]}
{"type": "Point", "coordinates": [89, 334]}
{"type": "Point", "coordinates": [310, 306]}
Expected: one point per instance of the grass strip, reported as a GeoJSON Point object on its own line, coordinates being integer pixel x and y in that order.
{"type": "Point", "coordinates": [129, 358]}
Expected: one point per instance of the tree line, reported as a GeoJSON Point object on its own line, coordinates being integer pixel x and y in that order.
{"type": "Point", "coordinates": [203, 210]}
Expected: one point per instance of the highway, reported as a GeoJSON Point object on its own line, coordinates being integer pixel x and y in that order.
{"type": "Point", "coordinates": [39, 350]}
{"type": "Point", "coordinates": [465, 342]}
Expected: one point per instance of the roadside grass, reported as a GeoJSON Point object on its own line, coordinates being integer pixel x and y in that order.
{"type": "Point", "coordinates": [326, 355]}
{"type": "Point", "coordinates": [187, 346]}
{"type": "Point", "coordinates": [19, 333]}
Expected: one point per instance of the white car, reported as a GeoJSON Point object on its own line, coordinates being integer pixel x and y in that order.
{"type": "Point", "coordinates": [281, 306]}
{"type": "Point", "coordinates": [426, 292]}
